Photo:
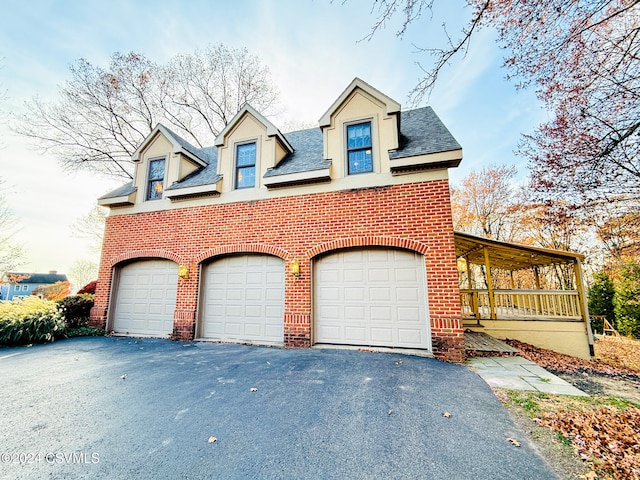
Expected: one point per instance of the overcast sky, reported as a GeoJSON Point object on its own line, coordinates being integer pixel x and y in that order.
{"type": "Point", "coordinates": [312, 48]}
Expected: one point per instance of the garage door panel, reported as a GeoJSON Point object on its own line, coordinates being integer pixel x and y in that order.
{"type": "Point", "coordinates": [382, 335]}
{"type": "Point", "coordinates": [249, 299]}
{"type": "Point", "coordinates": [355, 334]}
{"type": "Point", "coordinates": [379, 275]}
{"type": "Point", "coordinates": [381, 314]}
{"type": "Point", "coordinates": [382, 294]}
{"type": "Point", "coordinates": [409, 275]}
{"type": "Point", "coordinates": [371, 297]}
{"type": "Point", "coordinates": [407, 294]}
{"type": "Point", "coordinates": [274, 294]}
{"type": "Point", "coordinates": [354, 293]}
{"type": "Point", "coordinates": [145, 298]}
{"type": "Point", "coordinates": [352, 312]}
{"type": "Point", "coordinates": [411, 337]}
{"type": "Point", "coordinates": [408, 314]}
{"type": "Point", "coordinates": [351, 275]}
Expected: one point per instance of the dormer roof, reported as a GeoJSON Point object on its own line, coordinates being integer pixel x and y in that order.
{"type": "Point", "coordinates": [179, 144]}
{"type": "Point", "coordinates": [391, 106]}
{"type": "Point", "coordinates": [272, 130]}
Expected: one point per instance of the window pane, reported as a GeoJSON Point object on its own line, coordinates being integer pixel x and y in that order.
{"type": "Point", "coordinates": [360, 161]}
{"type": "Point", "coordinates": [155, 182]}
{"type": "Point", "coordinates": [359, 136]}
{"type": "Point", "coordinates": [246, 155]}
{"type": "Point", "coordinates": [246, 177]}
{"type": "Point", "coordinates": [156, 170]}
{"type": "Point", "coordinates": [155, 190]}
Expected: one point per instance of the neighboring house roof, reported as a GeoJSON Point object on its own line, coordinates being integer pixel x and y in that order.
{"type": "Point", "coordinates": [422, 132]}
{"type": "Point", "coordinates": [41, 278]}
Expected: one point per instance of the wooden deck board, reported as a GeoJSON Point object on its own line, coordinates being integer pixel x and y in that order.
{"type": "Point", "coordinates": [483, 342]}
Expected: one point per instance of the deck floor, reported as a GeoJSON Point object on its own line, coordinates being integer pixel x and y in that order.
{"type": "Point", "coordinates": [483, 342]}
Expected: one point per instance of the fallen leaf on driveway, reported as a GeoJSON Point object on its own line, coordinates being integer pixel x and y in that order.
{"type": "Point", "coordinates": [514, 441]}
{"type": "Point", "coordinates": [446, 415]}
{"type": "Point", "coordinates": [253, 389]}
{"type": "Point", "coordinates": [212, 439]}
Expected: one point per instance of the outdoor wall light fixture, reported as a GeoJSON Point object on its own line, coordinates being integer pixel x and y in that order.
{"type": "Point", "coordinates": [183, 271]}
{"type": "Point", "coordinates": [295, 268]}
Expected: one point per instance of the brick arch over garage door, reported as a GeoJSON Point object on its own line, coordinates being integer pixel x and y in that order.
{"type": "Point", "coordinates": [144, 254]}
{"type": "Point", "coordinates": [401, 243]}
{"type": "Point", "coordinates": [242, 248]}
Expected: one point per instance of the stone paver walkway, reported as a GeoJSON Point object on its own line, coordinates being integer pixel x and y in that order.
{"type": "Point", "coordinates": [518, 373]}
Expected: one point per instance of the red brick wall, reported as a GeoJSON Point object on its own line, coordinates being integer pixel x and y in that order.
{"type": "Point", "coordinates": [415, 216]}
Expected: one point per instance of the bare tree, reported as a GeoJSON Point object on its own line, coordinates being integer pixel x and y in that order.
{"type": "Point", "coordinates": [486, 203]}
{"type": "Point", "coordinates": [102, 115]}
{"type": "Point", "coordinates": [82, 272]}
{"type": "Point", "coordinates": [11, 253]}
{"type": "Point", "coordinates": [91, 227]}
{"type": "Point", "coordinates": [583, 59]}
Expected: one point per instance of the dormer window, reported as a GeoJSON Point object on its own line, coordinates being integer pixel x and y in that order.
{"type": "Point", "coordinates": [246, 165]}
{"type": "Point", "coordinates": [359, 151]}
{"type": "Point", "coordinates": [155, 182]}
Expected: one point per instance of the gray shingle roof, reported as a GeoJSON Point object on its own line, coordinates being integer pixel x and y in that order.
{"type": "Point", "coordinates": [422, 132]}
{"type": "Point", "coordinates": [198, 152]}
{"type": "Point", "coordinates": [125, 189]}
{"type": "Point", "coordinates": [306, 157]}
{"type": "Point", "coordinates": [206, 176]}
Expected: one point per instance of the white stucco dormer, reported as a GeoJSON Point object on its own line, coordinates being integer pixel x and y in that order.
{"type": "Point", "coordinates": [247, 147]}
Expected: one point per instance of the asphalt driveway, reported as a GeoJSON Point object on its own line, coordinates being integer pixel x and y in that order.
{"type": "Point", "coordinates": [146, 408]}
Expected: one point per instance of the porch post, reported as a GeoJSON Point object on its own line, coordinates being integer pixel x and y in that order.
{"type": "Point", "coordinates": [538, 299]}
{"type": "Point", "coordinates": [492, 300]}
{"type": "Point", "coordinates": [584, 306]}
{"type": "Point", "coordinates": [474, 295]}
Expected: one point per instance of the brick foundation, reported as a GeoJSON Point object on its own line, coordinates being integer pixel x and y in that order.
{"type": "Point", "coordinates": [413, 216]}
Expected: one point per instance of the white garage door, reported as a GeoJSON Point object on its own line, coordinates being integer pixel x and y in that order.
{"type": "Point", "coordinates": [146, 298]}
{"type": "Point", "coordinates": [371, 297]}
{"type": "Point", "coordinates": [243, 299]}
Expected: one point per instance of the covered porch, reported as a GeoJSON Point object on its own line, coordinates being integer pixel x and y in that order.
{"type": "Point", "coordinates": [493, 301]}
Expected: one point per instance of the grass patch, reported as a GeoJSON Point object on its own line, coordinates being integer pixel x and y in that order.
{"type": "Point", "coordinates": [84, 332]}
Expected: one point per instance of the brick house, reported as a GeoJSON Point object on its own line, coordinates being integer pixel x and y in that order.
{"type": "Point", "coordinates": [340, 234]}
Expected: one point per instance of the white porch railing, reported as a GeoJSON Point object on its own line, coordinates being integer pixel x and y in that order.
{"type": "Point", "coordinates": [522, 304]}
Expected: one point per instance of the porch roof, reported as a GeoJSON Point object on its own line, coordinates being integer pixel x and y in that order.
{"type": "Point", "coordinates": [509, 256]}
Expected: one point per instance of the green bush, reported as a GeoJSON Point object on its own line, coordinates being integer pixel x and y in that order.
{"type": "Point", "coordinates": [31, 320]}
{"type": "Point", "coordinates": [601, 296]}
{"type": "Point", "coordinates": [627, 300]}
{"type": "Point", "coordinates": [75, 309]}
